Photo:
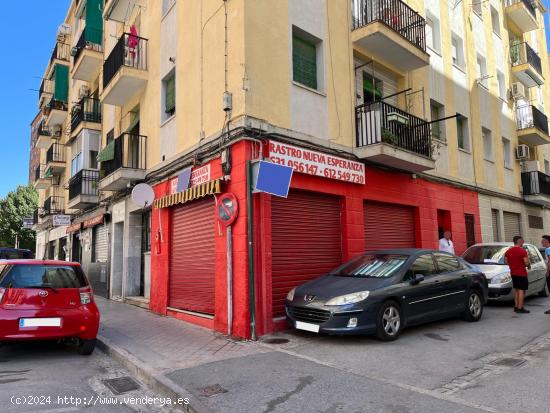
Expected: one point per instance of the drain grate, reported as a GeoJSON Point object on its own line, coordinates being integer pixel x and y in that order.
{"type": "Point", "coordinates": [121, 384]}
{"type": "Point", "coordinates": [276, 340]}
{"type": "Point", "coordinates": [212, 390]}
{"type": "Point", "coordinates": [508, 362]}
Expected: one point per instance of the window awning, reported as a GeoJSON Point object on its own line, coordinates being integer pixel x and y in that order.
{"type": "Point", "coordinates": [108, 153]}
{"type": "Point", "coordinates": [195, 192]}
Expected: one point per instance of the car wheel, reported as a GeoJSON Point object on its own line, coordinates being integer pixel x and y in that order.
{"type": "Point", "coordinates": [86, 347]}
{"type": "Point", "coordinates": [390, 322]}
{"type": "Point", "coordinates": [544, 292]}
{"type": "Point", "coordinates": [474, 306]}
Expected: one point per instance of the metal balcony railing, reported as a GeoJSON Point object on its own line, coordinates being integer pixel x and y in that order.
{"type": "Point", "coordinates": [393, 13]}
{"type": "Point", "coordinates": [130, 51]}
{"type": "Point", "coordinates": [54, 205]}
{"type": "Point", "coordinates": [42, 129]}
{"type": "Point", "coordinates": [528, 4]}
{"type": "Point", "coordinates": [55, 104]}
{"type": "Point", "coordinates": [380, 122]}
{"type": "Point", "coordinates": [56, 153]}
{"type": "Point", "coordinates": [522, 53]}
{"type": "Point", "coordinates": [86, 110]}
{"type": "Point", "coordinates": [535, 183]}
{"type": "Point", "coordinates": [61, 51]}
{"type": "Point", "coordinates": [40, 172]}
{"type": "Point", "coordinates": [530, 117]}
{"type": "Point", "coordinates": [85, 182]}
{"type": "Point", "coordinates": [129, 152]}
{"type": "Point", "coordinates": [91, 39]}
{"type": "Point", "coordinates": [46, 87]}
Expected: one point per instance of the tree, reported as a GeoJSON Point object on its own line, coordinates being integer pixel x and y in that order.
{"type": "Point", "coordinates": [17, 205]}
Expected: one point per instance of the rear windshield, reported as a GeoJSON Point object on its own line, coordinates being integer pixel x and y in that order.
{"type": "Point", "coordinates": [372, 266]}
{"type": "Point", "coordinates": [15, 254]}
{"type": "Point", "coordinates": [486, 254]}
{"type": "Point", "coordinates": [41, 276]}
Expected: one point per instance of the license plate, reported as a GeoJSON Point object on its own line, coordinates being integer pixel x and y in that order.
{"type": "Point", "coordinates": [40, 322]}
{"type": "Point", "coordinates": [314, 328]}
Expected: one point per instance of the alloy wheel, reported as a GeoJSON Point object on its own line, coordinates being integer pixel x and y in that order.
{"type": "Point", "coordinates": [474, 304]}
{"type": "Point", "coordinates": [391, 321]}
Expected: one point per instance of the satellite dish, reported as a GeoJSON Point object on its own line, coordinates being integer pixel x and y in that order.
{"type": "Point", "coordinates": [143, 195]}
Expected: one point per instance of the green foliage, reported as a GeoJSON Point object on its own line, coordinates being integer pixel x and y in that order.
{"type": "Point", "coordinates": [17, 205]}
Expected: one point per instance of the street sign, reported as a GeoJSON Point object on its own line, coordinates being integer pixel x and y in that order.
{"type": "Point", "coordinates": [28, 223]}
{"type": "Point", "coordinates": [61, 220]}
{"type": "Point", "coordinates": [272, 178]}
{"type": "Point", "coordinates": [227, 209]}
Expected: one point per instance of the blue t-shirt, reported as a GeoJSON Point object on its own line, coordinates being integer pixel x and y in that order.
{"type": "Point", "coordinates": [547, 253]}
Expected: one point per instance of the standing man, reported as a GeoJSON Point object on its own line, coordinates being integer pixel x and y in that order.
{"type": "Point", "coordinates": [546, 245]}
{"type": "Point", "coordinates": [518, 260]}
{"type": "Point", "coordinates": [445, 243]}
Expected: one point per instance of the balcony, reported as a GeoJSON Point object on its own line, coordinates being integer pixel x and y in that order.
{"type": "Point", "coordinates": [61, 53]}
{"type": "Point", "coordinates": [536, 187]}
{"type": "Point", "coordinates": [56, 112]}
{"type": "Point", "coordinates": [83, 189]}
{"type": "Point", "coordinates": [54, 205]}
{"type": "Point", "coordinates": [87, 54]}
{"type": "Point", "coordinates": [391, 31]}
{"type": "Point", "coordinates": [44, 136]}
{"type": "Point", "coordinates": [45, 92]}
{"type": "Point", "coordinates": [125, 70]}
{"type": "Point", "coordinates": [120, 10]}
{"type": "Point", "coordinates": [526, 64]}
{"type": "Point", "coordinates": [532, 126]}
{"type": "Point", "coordinates": [123, 161]}
{"type": "Point", "coordinates": [522, 13]}
{"type": "Point", "coordinates": [392, 137]}
{"type": "Point", "coordinates": [55, 159]}
{"type": "Point", "coordinates": [86, 114]}
{"type": "Point", "coordinates": [40, 180]}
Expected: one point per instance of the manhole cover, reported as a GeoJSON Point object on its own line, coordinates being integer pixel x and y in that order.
{"type": "Point", "coordinates": [276, 340]}
{"type": "Point", "coordinates": [212, 390]}
{"type": "Point", "coordinates": [121, 384]}
{"type": "Point", "coordinates": [508, 362]}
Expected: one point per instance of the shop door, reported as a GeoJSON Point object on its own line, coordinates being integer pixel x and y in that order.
{"type": "Point", "coordinates": [98, 269]}
{"type": "Point", "coordinates": [512, 226]}
{"type": "Point", "coordinates": [388, 226]}
{"type": "Point", "coordinates": [193, 257]}
{"type": "Point", "coordinates": [494, 222]}
{"type": "Point", "coordinates": [76, 248]}
{"type": "Point", "coordinates": [306, 241]}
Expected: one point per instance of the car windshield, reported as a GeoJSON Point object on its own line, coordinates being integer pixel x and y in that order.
{"type": "Point", "coordinates": [372, 266]}
{"type": "Point", "coordinates": [485, 254]}
{"type": "Point", "coordinates": [41, 276]}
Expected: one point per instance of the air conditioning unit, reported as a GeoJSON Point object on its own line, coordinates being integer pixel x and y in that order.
{"type": "Point", "coordinates": [522, 152]}
{"type": "Point", "coordinates": [63, 30]}
{"type": "Point", "coordinates": [530, 166]}
{"type": "Point", "coordinates": [518, 91]}
{"type": "Point", "coordinates": [84, 91]}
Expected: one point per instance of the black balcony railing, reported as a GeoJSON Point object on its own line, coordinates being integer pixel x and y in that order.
{"type": "Point", "coordinates": [395, 14]}
{"type": "Point", "coordinates": [129, 152]}
{"type": "Point", "coordinates": [40, 172]}
{"type": "Point", "coordinates": [522, 53]}
{"type": "Point", "coordinates": [130, 51]}
{"type": "Point", "coordinates": [86, 110]}
{"type": "Point", "coordinates": [535, 183]}
{"type": "Point", "coordinates": [380, 122]}
{"type": "Point", "coordinates": [90, 39]}
{"type": "Point", "coordinates": [84, 183]}
{"type": "Point", "coordinates": [54, 205]}
{"type": "Point", "coordinates": [42, 129]}
{"type": "Point", "coordinates": [55, 104]}
{"type": "Point", "coordinates": [56, 153]}
{"type": "Point", "coordinates": [530, 117]}
{"type": "Point", "coordinates": [527, 3]}
{"type": "Point", "coordinates": [61, 51]}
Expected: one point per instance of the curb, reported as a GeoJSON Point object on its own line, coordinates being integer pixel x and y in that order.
{"type": "Point", "coordinates": [157, 382]}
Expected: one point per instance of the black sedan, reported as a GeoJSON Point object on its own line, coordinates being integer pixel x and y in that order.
{"type": "Point", "coordinates": [383, 292]}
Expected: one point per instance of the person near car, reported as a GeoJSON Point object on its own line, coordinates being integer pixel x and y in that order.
{"type": "Point", "coordinates": [546, 245]}
{"type": "Point", "coordinates": [445, 243]}
{"type": "Point", "coordinates": [517, 259]}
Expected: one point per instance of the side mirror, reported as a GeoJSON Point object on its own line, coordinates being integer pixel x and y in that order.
{"type": "Point", "coordinates": [418, 278]}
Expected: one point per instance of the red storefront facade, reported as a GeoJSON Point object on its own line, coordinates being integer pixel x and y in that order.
{"type": "Point", "coordinates": [323, 222]}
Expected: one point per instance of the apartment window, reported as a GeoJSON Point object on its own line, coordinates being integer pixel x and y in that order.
{"type": "Point", "coordinates": [477, 7]}
{"type": "Point", "coordinates": [487, 138]}
{"type": "Point", "coordinates": [169, 95]}
{"type": "Point", "coordinates": [482, 70]}
{"type": "Point", "coordinates": [433, 33]}
{"type": "Point", "coordinates": [495, 19]}
{"type": "Point", "coordinates": [547, 167]}
{"type": "Point", "coordinates": [304, 58]}
{"type": "Point", "coordinates": [437, 111]}
{"type": "Point", "coordinates": [507, 153]}
{"type": "Point", "coordinates": [501, 85]}
{"type": "Point", "coordinates": [457, 49]}
{"type": "Point", "coordinates": [372, 88]}
{"type": "Point", "coordinates": [76, 164]}
{"type": "Point", "coordinates": [462, 132]}
{"type": "Point", "coordinates": [93, 160]}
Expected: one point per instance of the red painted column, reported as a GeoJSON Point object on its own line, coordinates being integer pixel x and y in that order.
{"type": "Point", "coordinates": [353, 227]}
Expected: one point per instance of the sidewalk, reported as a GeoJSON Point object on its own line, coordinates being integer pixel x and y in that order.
{"type": "Point", "coordinates": [177, 359]}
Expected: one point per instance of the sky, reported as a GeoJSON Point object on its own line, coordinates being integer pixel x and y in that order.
{"type": "Point", "coordinates": [28, 31]}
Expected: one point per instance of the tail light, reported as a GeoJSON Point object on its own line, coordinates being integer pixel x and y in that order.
{"type": "Point", "coordinates": [86, 296]}
{"type": "Point", "coordinates": [2, 291]}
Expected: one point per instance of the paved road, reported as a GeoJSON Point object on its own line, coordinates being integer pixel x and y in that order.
{"type": "Point", "coordinates": [55, 371]}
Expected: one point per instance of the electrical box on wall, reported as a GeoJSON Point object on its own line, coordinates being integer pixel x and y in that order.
{"type": "Point", "coordinates": [227, 101]}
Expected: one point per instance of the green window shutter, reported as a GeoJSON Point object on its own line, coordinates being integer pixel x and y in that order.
{"type": "Point", "coordinates": [170, 98]}
{"type": "Point", "coordinates": [94, 21]}
{"type": "Point", "coordinates": [108, 153]}
{"type": "Point", "coordinates": [61, 83]}
{"type": "Point", "coordinates": [304, 62]}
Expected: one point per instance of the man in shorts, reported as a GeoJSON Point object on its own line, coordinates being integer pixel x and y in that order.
{"type": "Point", "coordinates": [518, 260]}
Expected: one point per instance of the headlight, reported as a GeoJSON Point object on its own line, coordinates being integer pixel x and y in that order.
{"type": "Point", "coordinates": [348, 298]}
{"type": "Point", "coordinates": [502, 278]}
{"type": "Point", "coordinates": [290, 295]}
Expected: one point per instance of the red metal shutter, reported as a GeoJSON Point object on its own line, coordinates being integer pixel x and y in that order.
{"type": "Point", "coordinates": [306, 241]}
{"type": "Point", "coordinates": [388, 226]}
{"type": "Point", "coordinates": [193, 256]}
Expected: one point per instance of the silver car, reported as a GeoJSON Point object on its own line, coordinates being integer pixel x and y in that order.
{"type": "Point", "coordinates": [489, 258]}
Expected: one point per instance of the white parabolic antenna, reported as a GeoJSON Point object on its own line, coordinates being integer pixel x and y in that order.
{"type": "Point", "coordinates": [143, 195]}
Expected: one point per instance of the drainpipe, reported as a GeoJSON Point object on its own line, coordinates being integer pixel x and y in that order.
{"type": "Point", "coordinates": [252, 303]}
{"type": "Point", "coordinates": [229, 282]}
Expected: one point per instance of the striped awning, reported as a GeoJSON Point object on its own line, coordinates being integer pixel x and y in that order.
{"type": "Point", "coordinates": [195, 192]}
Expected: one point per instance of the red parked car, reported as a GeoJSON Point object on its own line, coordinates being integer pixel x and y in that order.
{"type": "Point", "coordinates": [47, 300]}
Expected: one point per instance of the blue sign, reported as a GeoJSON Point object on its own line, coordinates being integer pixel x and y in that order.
{"type": "Point", "coordinates": [273, 179]}
{"type": "Point", "coordinates": [183, 180]}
